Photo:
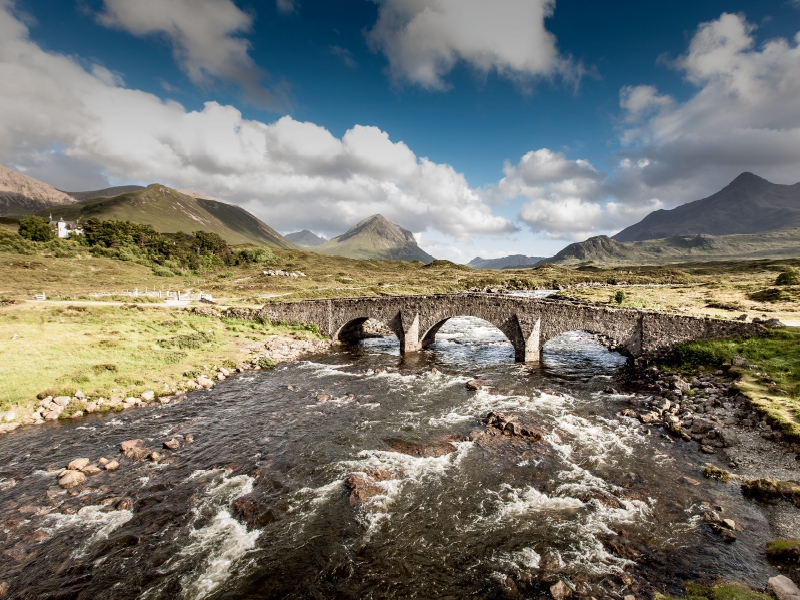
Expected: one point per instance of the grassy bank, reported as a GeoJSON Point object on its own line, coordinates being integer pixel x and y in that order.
{"type": "Point", "coordinates": [114, 350]}
{"type": "Point", "coordinates": [772, 378]}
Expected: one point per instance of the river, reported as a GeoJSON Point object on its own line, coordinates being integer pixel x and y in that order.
{"type": "Point", "coordinates": [606, 507]}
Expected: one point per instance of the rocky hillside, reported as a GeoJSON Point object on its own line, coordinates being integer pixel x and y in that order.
{"type": "Point", "coordinates": [23, 195]}
{"type": "Point", "coordinates": [305, 238]}
{"type": "Point", "coordinates": [507, 262]}
{"type": "Point", "coordinates": [602, 250]}
{"type": "Point", "coordinates": [168, 211]}
{"type": "Point", "coordinates": [749, 204]}
{"type": "Point", "coordinates": [107, 192]}
{"type": "Point", "coordinates": [375, 237]}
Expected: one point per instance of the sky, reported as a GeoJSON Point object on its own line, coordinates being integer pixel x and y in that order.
{"type": "Point", "coordinates": [486, 128]}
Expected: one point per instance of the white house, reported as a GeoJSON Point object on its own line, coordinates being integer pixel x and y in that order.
{"type": "Point", "coordinates": [65, 228]}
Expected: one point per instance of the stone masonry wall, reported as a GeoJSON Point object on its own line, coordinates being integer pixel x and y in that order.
{"type": "Point", "coordinates": [528, 323]}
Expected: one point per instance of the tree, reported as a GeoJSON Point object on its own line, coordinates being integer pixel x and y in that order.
{"type": "Point", "coordinates": [36, 229]}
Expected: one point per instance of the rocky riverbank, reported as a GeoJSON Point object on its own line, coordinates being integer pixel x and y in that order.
{"type": "Point", "coordinates": [264, 354]}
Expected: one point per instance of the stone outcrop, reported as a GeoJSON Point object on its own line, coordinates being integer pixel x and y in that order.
{"type": "Point", "coordinates": [528, 323]}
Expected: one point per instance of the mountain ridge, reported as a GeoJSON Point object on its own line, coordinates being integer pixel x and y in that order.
{"type": "Point", "coordinates": [375, 238]}
{"type": "Point", "coordinates": [510, 261]}
{"type": "Point", "coordinates": [748, 204]}
{"type": "Point", "coordinates": [169, 211]}
{"type": "Point", "coordinates": [23, 195]}
{"type": "Point", "coordinates": [305, 238]}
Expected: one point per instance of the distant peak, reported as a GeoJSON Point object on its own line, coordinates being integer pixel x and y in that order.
{"type": "Point", "coordinates": [748, 177]}
{"type": "Point", "coordinates": [374, 218]}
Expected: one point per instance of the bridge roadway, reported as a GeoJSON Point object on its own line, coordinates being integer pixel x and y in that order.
{"type": "Point", "coordinates": [528, 323]}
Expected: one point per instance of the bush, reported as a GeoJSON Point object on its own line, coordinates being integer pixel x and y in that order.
{"type": "Point", "coordinates": [191, 341]}
{"type": "Point", "coordinates": [36, 229]}
{"type": "Point", "coordinates": [618, 298]}
{"type": "Point", "coordinates": [265, 363]}
{"type": "Point", "coordinates": [693, 354]}
{"type": "Point", "coordinates": [252, 256]}
{"type": "Point", "coordinates": [788, 277]}
{"type": "Point", "coordinates": [160, 271]}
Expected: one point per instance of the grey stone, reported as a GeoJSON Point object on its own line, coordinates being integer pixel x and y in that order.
{"type": "Point", "coordinates": [148, 395]}
{"type": "Point", "coordinates": [783, 588]}
{"type": "Point", "coordinates": [738, 361]}
{"type": "Point", "coordinates": [559, 591]}
{"type": "Point", "coordinates": [62, 400]}
{"type": "Point", "coordinates": [527, 322]}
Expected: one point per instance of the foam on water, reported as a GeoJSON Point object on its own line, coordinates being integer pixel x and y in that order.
{"type": "Point", "coordinates": [90, 517]}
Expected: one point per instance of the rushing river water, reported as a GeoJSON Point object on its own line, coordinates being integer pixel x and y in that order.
{"type": "Point", "coordinates": [478, 522]}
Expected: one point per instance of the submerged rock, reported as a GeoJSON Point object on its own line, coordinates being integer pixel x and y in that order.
{"type": "Point", "coordinates": [362, 485]}
{"type": "Point", "coordinates": [131, 444]}
{"type": "Point", "coordinates": [78, 464]}
{"type": "Point", "coordinates": [512, 425]}
{"type": "Point", "coordinates": [430, 450]}
{"type": "Point", "coordinates": [172, 444]}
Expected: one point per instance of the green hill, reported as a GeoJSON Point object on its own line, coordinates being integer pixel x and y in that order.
{"type": "Point", "coordinates": [168, 211]}
{"type": "Point", "coordinates": [375, 237]}
{"type": "Point", "coordinates": [782, 243]}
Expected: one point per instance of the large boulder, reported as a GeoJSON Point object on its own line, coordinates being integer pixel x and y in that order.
{"type": "Point", "coordinates": [78, 464]}
{"type": "Point", "coordinates": [70, 479]}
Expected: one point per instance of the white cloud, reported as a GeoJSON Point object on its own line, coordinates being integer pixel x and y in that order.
{"type": "Point", "coordinates": [745, 115]}
{"type": "Point", "coordinates": [292, 174]}
{"type": "Point", "coordinates": [286, 7]}
{"type": "Point", "coordinates": [206, 40]}
{"type": "Point", "coordinates": [424, 39]}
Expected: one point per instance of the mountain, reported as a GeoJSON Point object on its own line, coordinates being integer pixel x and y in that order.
{"type": "Point", "coordinates": [749, 204]}
{"type": "Point", "coordinates": [23, 195]}
{"type": "Point", "coordinates": [602, 250]}
{"type": "Point", "coordinates": [305, 238]}
{"type": "Point", "coordinates": [168, 211]}
{"type": "Point", "coordinates": [198, 195]}
{"type": "Point", "coordinates": [514, 260]}
{"type": "Point", "coordinates": [375, 237]}
{"type": "Point", "coordinates": [107, 192]}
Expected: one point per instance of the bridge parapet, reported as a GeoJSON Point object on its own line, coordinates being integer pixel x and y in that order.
{"type": "Point", "coordinates": [528, 323]}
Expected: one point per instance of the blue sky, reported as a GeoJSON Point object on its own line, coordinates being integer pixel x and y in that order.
{"type": "Point", "coordinates": [620, 108]}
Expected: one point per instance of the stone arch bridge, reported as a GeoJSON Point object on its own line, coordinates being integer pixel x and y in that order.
{"type": "Point", "coordinates": [528, 323]}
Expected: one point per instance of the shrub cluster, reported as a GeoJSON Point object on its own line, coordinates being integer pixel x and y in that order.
{"type": "Point", "coordinates": [168, 254]}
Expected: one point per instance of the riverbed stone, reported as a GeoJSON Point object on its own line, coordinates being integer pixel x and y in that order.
{"type": "Point", "coordinates": [8, 427]}
{"type": "Point", "coordinates": [131, 444]}
{"type": "Point", "coordinates": [91, 470]}
{"type": "Point", "coordinates": [172, 444]}
{"type": "Point", "coordinates": [474, 385]}
{"type": "Point", "coordinates": [112, 466]}
{"type": "Point", "coordinates": [62, 400]}
{"type": "Point", "coordinates": [559, 591]}
{"type": "Point", "coordinates": [137, 453]}
{"type": "Point", "coordinates": [102, 461]}
{"type": "Point", "coordinates": [125, 504]}
{"type": "Point", "coordinates": [204, 382]}
{"type": "Point", "coordinates": [783, 588]}
{"type": "Point", "coordinates": [71, 479]}
{"type": "Point", "coordinates": [91, 407]}
{"type": "Point", "coordinates": [148, 395]}
{"type": "Point", "coordinates": [78, 464]}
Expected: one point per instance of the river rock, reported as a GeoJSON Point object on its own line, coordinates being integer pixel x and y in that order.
{"type": "Point", "coordinates": [62, 400]}
{"type": "Point", "coordinates": [513, 426]}
{"type": "Point", "coordinates": [172, 444]}
{"type": "Point", "coordinates": [91, 470]}
{"type": "Point", "coordinates": [362, 485]}
{"type": "Point", "coordinates": [71, 479]}
{"type": "Point", "coordinates": [739, 361]}
{"type": "Point", "coordinates": [700, 425]}
{"type": "Point", "coordinates": [783, 588]}
{"type": "Point", "coordinates": [474, 385]}
{"type": "Point", "coordinates": [431, 450]}
{"type": "Point", "coordinates": [125, 504]}
{"type": "Point", "coordinates": [102, 461]}
{"type": "Point", "coordinates": [155, 456]}
{"type": "Point", "coordinates": [559, 591]}
{"type": "Point", "coordinates": [78, 464]}
{"type": "Point", "coordinates": [204, 382]}
{"type": "Point", "coordinates": [130, 444]}
{"type": "Point", "coordinates": [8, 427]}
{"type": "Point", "coordinates": [91, 407]}
{"type": "Point", "coordinates": [8, 415]}
{"type": "Point", "coordinates": [323, 398]}
{"type": "Point", "coordinates": [136, 453]}
{"type": "Point", "coordinates": [148, 395]}
{"type": "Point", "coordinates": [680, 385]}
{"type": "Point", "coordinates": [52, 415]}
{"type": "Point", "coordinates": [112, 466]}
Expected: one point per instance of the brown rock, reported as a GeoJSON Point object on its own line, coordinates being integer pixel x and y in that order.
{"type": "Point", "coordinates": [124, 504]}
{"type": "Point", "coordinates": [362, 485]}
{"type": "Point", "coordinates": [474, 385]}
{"type": "Point", "coordinates": [102, 461]}
{"type": "Point", "coordinates": [91, 470]}
{"type": "Point", "coordinates": [323, 398]}
{"type": "Point", "coordinates": [559, 591]}
{"type": "Point", "coordinates": [112, 466]}
{"type": "Point", "coordinates": [71, 479]}
{"type": "Point", "coordinates": [78, 464]}
{"type": "Point", "coordinates": [173, 444]}
{"type": "Point", "coordinates": [155, 456]}
{"type": "Point", "coordinates": [130, 444]}
{"type": "Point", "coordinates": [602, 497]}
{"type": "Point", "coordinates": [431, 450]}
{"type": "Point", "coordinates": [512, 425]}
{"type": "Point", "coordinates": [136, 453]}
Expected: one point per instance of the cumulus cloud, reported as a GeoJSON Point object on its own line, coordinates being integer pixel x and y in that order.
{"type": "Point", "coordinates": [292, 174]}
{"type": "Point", "coordinates": [566, 199]}
{"type": "Point", "coordinates": [424, 39]}
{"type": "Point", "coordinates": [206, 40]}
{"type": "Point", "coordinates": [744, 116]}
